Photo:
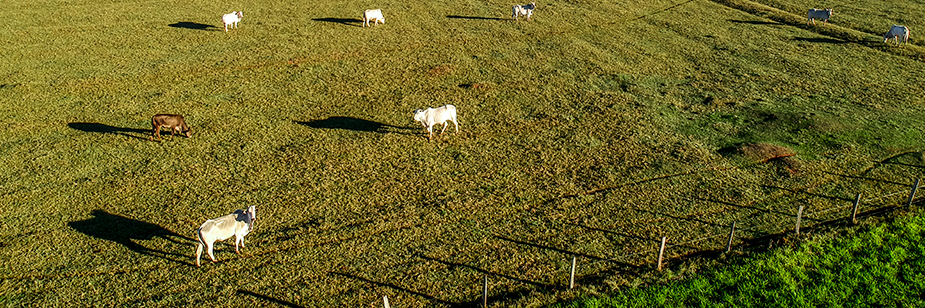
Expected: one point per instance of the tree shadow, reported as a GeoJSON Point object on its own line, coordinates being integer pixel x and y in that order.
{"type": "Point", "coordinates": [134, 234]}
{"type": "Point", "coordinates": [193, 26]}
{"type": "Point", "coordinates": [350, 123]}
{"type": "Point", "coordinates": [107, 129]}
{"type": "Point", "coordinates": [475, 17]}
{"type": "Point", "coordinates": [343, 21]}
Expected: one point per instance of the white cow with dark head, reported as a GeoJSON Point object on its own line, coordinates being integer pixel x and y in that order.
{"type": "Point", "coordinates": [813, 14]}
{"type": "Point", "coordinates": [899, 34]}
{"type": "Point", "coordinates": [523, 10]}
{"type": "Point", "coordinates": [237, 224]}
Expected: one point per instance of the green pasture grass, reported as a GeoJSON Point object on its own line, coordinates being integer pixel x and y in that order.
{"type": "Point", "coordinates": [875, 265]}
{"type": "Point", "coordinates": [593, 130]}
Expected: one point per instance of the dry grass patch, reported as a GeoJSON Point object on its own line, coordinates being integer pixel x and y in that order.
{"type": "Point", "coordinates": [441, 70]}
{"type": "Point", "coordinates": [764, 152]}
{"type": "Point", "coordinates": [782, 157]}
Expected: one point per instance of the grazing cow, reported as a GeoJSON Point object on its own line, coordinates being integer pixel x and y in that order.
{"type": "Point", "coordinates": [232, 19]}
{"type": "Point", "coordinates": [174, 122]}
{"type": "Point", "coordinates": [373, 15]}
{"type": "Point", "coordinates": [237, 224]}
{"type": "Point", "coordinates": [439, 115]}
{"type": "Point", "coordinates": [820, 14]}
{"type": "Point", "coordinates": [523, 10]}
{"type": "Point", "coordinates": [897, 33]}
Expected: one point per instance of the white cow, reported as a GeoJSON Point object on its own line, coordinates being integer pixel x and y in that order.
{"type": "Point", "coordinates": [237, 224]}
{"type": "Point", "coordinates": [439, 115]}
{"type": "Point", "coordinates": [232, 19]}
{"type": "Point", "coordinates": [820, 14]}
{"type": "Point", "coordinates": [373, 15]}
{"type": "Point", "coordinates": [896, 33]}
{"type": "Point", "coordinates": [525, 10]}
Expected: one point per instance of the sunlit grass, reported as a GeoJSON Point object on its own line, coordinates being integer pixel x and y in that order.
{"type": "Point", "coordinates": [592, 129]}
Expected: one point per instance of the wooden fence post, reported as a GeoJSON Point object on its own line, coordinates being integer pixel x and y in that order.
{"type": "Point", "coordinates": [915, 186]}
{"type": "Point", "coordinates": [571, 280]}
{"type": "Point", "coordinates": [854, 211]}
{"type": "Point", "coordinates": [485, 292]}
{"type": "Point", "coordinates": [799, 216]}
{"type": "Point", "coordinates": [661, 252]}
{"type": "Point", "coordinates": [732, 231]}
{"type": "Point", "coordinates": [385, 301]}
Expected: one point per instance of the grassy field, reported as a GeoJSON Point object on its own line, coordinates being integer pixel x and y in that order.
{"type": "Point", "coordinates": [593, 130]}
{"type": "Point", "coordinates": [876, 265]}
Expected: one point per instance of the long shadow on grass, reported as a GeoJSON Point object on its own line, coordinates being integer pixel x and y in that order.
{"type": "Point", "coordinates": [343, 21]}
{"type": "Point", "coordinates": [350, 123]}
{"type": "Point", "coordinates": [890, 160]}
{"type": "Point", "coordinates": [745, 207]}
{"type": "Point", "coordinates": [267, 298]}
{"type": "Point", "coordinates": [636, 237]}
{"type": "Point", "coordinates": [571, 253]}
{"type": "Point", "coordinates": [795, 191]}
{"type": "Point", "coordinates": [403, 289]}
{"type": "Point", "coordinates": [756, 22]}
{"type": "Point", "coordinates": [193, 26]}
{"type": "Point", "coordinates": [663, 10]}
{"type": "Point", "coordinates": [485, 272]}
{"type": "Point", "coordinates": [872, 179]}
{"type": "Point", "coordinates": [820, 40]}
{"type": "Point", "coordinates": [134, 234]}
{"type": "Point", "coordinates": [473, 303]}
{"type": "Point", "coordinates": [477, 17]}
{"type": "Point", "coordinates": [107, 129]}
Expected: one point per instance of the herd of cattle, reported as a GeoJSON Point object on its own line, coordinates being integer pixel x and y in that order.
{"type": "Point", "coordinates": [241, 222]}
{"type": "Point", "coordinates": [899, 34]}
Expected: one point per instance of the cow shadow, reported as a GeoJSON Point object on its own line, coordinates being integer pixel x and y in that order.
{"type": "Point", "coordinates": [107, 129]}
{"type": "Point", "coordinates": [343, 21]}
{"type": "Point", "coordinates": [136, 235]}
{"type": "Point", "coordinates": [351, 123]}
{"type": "Point", "coordinates": [193, 26]}
{"type": "Point", "coordinates": [475, 17]}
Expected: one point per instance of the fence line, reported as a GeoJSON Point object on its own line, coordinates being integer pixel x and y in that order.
{"type": "Point", "coordinates": [663, 246]}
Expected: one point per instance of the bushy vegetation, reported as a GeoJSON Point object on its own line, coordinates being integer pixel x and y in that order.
{"type": "Point", "coordinates": [593, 130]}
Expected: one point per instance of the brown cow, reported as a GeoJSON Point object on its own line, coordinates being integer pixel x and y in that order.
{"type": "Point", "coordinates": [174, 122]}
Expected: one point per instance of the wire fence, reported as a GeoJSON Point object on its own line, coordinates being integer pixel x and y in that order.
{"type": "Point", "coordinates": [579, 266]}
